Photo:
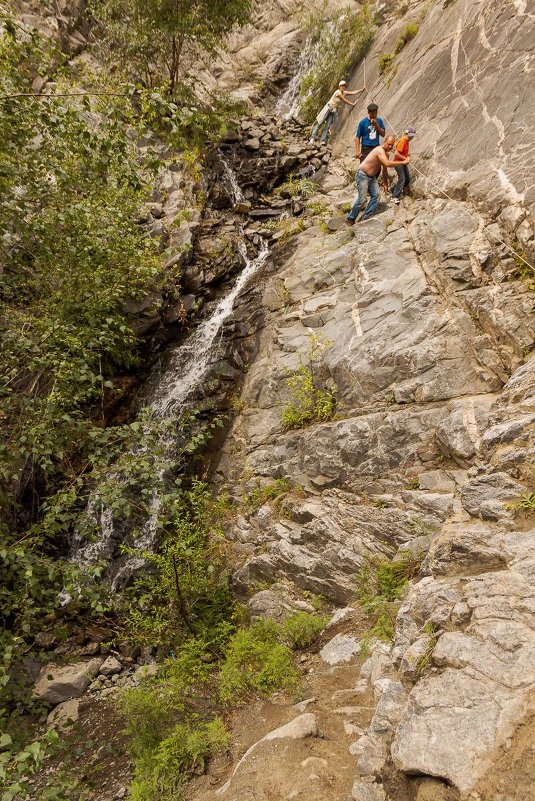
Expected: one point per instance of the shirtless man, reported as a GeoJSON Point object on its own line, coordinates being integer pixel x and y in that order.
{"type": "Point", "coordinates": [366, 180]}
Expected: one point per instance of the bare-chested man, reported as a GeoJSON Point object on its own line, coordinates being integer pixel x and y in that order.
{"type": "Point", "coordinates": [367, 182]}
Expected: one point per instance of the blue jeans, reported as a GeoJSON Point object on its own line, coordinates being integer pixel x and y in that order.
{"type": "Point", "coordinates": [404, 179]}
{"type": "Point", "coordinates": [365, 183]}
{"type": "Point", "coordinates": [328, 121]}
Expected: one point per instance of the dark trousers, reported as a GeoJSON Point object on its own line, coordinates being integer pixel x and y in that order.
{"type": "Point", "coordinates": [404, 179]}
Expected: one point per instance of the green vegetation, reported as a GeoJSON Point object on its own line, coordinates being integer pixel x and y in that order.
{"type": "Point", "coordinates": [408, 33]}
{"type": "Point", "coordinates": [149, 38]}
{"type": "Point", "coordinates": [256, 662]}
{"type": "Point", "coordinates": [309, 403]}
{"type": "Point", "coordinates": [74, 257]}
{"type": "Point", "coordinates": [173, 719]}
{"type": "Point", "coordinates": [186, 592]}
{"type": "Point", "coordinates": [262, 494]}
{"type": "Point", "coordinates": [287, 227]}
{"type": "Point", "coordinates": [380, 587]}
{"type": "Point", "coordinates": [524, 271]}
{"type": "Point", "coordinates": [526, 502]}
{"type": "Point", "coordinates": [340, 42]}
{"type": "Point", "coordinates": [302, 629]}
{"type": "Point", "coordinates": [184, 606]}
{"type": "Point", "coordinates": [431, 630]}
{"type": "Point", "coordinates": [386, 62]}
{"type": "Point", "coordinates": [296, 187]}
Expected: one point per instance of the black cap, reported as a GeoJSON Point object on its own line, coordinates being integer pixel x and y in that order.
{"type": "Point", "coordinates": [373, 107]}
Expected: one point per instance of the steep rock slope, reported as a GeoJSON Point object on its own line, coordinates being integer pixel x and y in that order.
{"type": "Point", "coordinates": [429, 317]}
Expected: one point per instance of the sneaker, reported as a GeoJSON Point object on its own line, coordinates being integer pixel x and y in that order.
{"type": "Point", "coordinates": [311, 141]}
{"type": "Point", "coordinates": [350, 221]}
{"type": "Point", "coordinates": [396, 200]}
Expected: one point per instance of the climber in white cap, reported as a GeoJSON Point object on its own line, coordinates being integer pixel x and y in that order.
{"type": "Point", "coordinates": [328, 111]}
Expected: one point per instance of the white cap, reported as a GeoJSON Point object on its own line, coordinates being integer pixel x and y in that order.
{"type": "Point", "coordinates": [342, 83]}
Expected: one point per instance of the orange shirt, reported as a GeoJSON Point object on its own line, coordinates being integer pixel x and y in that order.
{"type": "Point", "coordinates": [402, 147]}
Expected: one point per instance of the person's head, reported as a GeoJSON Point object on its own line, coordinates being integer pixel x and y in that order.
{"type": "Point", "coordinates": [373, 108]}
{"type": "Point", "coordinates": [389, 143]}
{"type": "Point", "coordinates": [411, 132]}
{"type": "Point", "coordinates": [342, 85]}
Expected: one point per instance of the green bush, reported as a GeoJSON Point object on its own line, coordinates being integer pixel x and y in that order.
{"type": "Point", "coordinates": [309, 403]}
{"type": "Point", "coordinates": [262, 494]}
{"type": "Point", "coordinates": [187, 592]}
{"type": "Point", "coordinates": [380, 587]}
{"type": "Point", "coordinates": [297, 187]}
{"type": "Point", "coordinates": [526, 501]}
{"type": "Point", "coordinates": [256, 662]}
{"type": "Point", "coordinates": [386, 61]}
{"type": "Point", "coordinates": [339, 43]}
{"type": "Point", "coordinates": [185, 750]}
{"type": "Point", "coordinates": [302, 629]}
{"type": "Point", "coordinates": [409, 32]}
{"type": "Point", "coordinates": [385, 581]}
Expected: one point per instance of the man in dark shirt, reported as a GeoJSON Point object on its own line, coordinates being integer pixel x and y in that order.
{"type": "Point", "coordinates": [369, 130]}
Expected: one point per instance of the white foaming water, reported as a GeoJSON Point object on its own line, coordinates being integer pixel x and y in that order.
{"type": "Point", "coordinates": [186, 368]}
{"type": "Point", "coordinates": [231, 184]}
{"type": "Point", "coordinates": [290, 102]}
{"type": "Point", "coordinates": [189, 363]}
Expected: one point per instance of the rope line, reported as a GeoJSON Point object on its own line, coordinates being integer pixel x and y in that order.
{"type": "Point", "coordinates": [4, 98]}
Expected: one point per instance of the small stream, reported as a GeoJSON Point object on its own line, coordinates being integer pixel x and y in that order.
{"type": "Point", "coordinates": [166, 397]}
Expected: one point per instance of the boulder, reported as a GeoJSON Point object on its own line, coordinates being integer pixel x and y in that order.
{"type": "Point", "coordinates": [486, 497]}
{"type": "Point", "coordinates": [367, 791]}
{"type": "Point", "coordinates": [276, 603]}
{"type": "Point", "coordinates": [58, 683]}
{"type": "Point", "coordinates": [305, 725]}
{"type": "Point", "coordinates": [341, 648]}
{"type": "Point", "coordinates": [110, 666]}
{"type": "Point", "coordinates": [65, 714]}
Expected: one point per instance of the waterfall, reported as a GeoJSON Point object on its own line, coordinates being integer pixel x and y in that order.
{"type": "Point", "coordinates": [190, 361]}
{"type": "Point", "coordinates": [186, 367]}
{"type": "Point", "coordinates": [289, 103]}
{"type": "Point", "coordinates": [231, 183]}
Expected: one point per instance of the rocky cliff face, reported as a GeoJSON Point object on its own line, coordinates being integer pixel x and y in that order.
{"type": "Point", "coordinates": [426, 315]}
{"type": "Point", "coordinates": [429, 316]}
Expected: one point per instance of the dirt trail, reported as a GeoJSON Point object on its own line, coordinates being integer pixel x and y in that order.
{"type": "Point", "coordinates": [317, 768]}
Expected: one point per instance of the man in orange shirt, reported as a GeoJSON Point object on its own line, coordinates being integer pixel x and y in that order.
{"type": "Point", "coordinates": [402, 152]}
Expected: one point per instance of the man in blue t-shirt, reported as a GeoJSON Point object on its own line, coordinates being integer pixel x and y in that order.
{"type": "Point", "coordinates": [369, 131]}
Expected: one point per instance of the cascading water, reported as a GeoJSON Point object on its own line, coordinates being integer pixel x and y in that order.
{"type": "Point", "coordinates": [231, 183]}
{"type": "Point", "coordinates": [187, 365]}
{"type": "Point", "coordinates": [290, 102]}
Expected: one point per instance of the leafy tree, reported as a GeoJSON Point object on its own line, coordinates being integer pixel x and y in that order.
{"type": "Point", "coordinates": [151, 34]}
{"type": "Point", "coordinates": [72, 255]}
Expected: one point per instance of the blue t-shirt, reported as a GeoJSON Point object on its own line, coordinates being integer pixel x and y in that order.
{"type": "Point", "coordinates": [368, 135]}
